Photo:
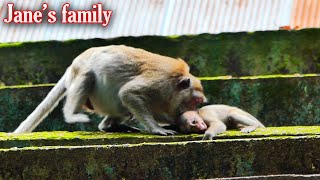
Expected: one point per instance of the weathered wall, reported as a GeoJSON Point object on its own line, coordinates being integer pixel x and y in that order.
{"type": "Point", "coordinates": [235, 54]}
{"type": "Point", "coordinates": [183, 160]}
{"type": "Point", "coordinates": [275, 101]}
{"type": "Point", "coordinates": [18, 103]}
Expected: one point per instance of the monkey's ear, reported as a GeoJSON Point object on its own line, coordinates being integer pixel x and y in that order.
{"type": "Point", "coordinates": [184, 83]}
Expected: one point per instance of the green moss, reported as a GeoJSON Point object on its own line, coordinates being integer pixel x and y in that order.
{"type": "Point", "coordinates": [244, 164]}
{"type": "Point", "coordinates": [54, 135]}
{"type": "Point", "coordinates": [182, 143]}
{"type": "Point", "coordinates": [91, 167]}
{"type": "Point", "coordinates": [294, 130]}
{"type": "Point", "coordinates": [6, 45]}
{"type": "Point", "coordinates": [74, 139]}
{"type": "Point", "coordinates": [26, 86]}
{"type": "Point", "coordinates": [109, 170]}
{"type": "Point", "coordinates": [273, 76]}
{"type": "Point", "coordinates": [174, 37]}
{"type": "Point", "coordinates": [37, 172]}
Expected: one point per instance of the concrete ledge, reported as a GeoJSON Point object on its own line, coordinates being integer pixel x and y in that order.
{"type": "Point", "coordinates": [283, 154]}
{"type": "Point", "coordinates": [64, 138]}
{"type": "Point", "coordinates": [275, 100]}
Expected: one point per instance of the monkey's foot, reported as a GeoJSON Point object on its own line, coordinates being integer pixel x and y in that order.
{"type": "Point", "coordinates": [248, 129]}
{"type": "Point", "coordinates": [82, 118]}
{"type": "Point", "coordinates": [104, 125]}
{"type": "Point", "coordinates": [162, 131]}
{"type": "Point", "coordinates": [118, 128]}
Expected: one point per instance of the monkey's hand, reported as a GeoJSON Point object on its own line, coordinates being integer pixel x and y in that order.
{"type": "Point", "coordinates": [162, 131]}
{"type": "Point", "coordinates": [209, 136]}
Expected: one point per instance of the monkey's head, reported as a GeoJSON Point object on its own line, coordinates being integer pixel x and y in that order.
{"type": "Point", "coordinates": [191, 122]}
{"type": "Point", "coordinates": [188, 94]}
{"type": "Point", "coordinates": [186, 91]}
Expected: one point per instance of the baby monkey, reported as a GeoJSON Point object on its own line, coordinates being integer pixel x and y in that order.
{"type": "Point", "coordinates": [215, 119]}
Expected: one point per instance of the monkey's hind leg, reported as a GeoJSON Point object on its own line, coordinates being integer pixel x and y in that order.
{"type": "Point", "coordinates": [77, 95]}
{"type": "Point", "coordinates": [106, 123]}
{"type": "Point", "coordinates": [114, 124]}
{"type": "Point", "coordinates": [247, 123]}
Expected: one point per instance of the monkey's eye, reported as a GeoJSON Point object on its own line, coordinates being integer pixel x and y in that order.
{"type": "Point", "coordinates": [184, 84]}
{"type": "Point", "coordinates": [194, 121]}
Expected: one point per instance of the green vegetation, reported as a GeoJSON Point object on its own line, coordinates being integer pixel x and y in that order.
{"type": "Point", "coordinates": [273, 76]}
{"type": "Point", "coordinates": [6, 45]}
{"type": "Point", "coordinates": [26, 86]}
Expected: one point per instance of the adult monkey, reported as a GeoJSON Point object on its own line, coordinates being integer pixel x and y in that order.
{"type": "Point", "coordinates": [120, 81]}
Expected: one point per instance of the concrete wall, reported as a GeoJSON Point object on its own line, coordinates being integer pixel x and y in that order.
{"type": "Point", "coordinates": [236, 54]}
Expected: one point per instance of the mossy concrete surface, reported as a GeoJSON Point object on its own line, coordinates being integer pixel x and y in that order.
{"type": "Point", "coordinates": [276, 177]}
{"type": "Point", "coordinates": [167, 160]}
{"type": "Point", "coordinates": [236, 54]}
{"type": "Point", "coordinates": [64, 138]}
{"type": "Point", "coordinates": [274, 100]}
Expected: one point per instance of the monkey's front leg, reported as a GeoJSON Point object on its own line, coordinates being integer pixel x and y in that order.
{"type": "Point", "coordinates": [138, 107]}
{"type": "Point", "coordinates": [215, 127]}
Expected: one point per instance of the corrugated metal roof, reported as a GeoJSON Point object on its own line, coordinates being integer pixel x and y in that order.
{"type": "Point", "coordinates": [305, 14]}
{"type": "Point", "coordinates": [158, 17]}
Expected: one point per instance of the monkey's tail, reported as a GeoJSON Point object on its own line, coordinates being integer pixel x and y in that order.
{"type": "Point", "coordinates": [44, 108]}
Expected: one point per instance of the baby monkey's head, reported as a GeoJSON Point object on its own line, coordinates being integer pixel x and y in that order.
{"type": "Point", "coordinates": [191, 122]}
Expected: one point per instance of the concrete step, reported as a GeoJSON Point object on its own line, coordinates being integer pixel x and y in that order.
{"type": "Point", "coordinates": [276, 100]}
{"type": "Point", "coordinates": [270, 151]}
{"type": "Point", "coordinates": [64, 138]}
{"type": "Point", "coordinates": [237, 54]}
{"type": "Point", "coordinates": [276, 177]}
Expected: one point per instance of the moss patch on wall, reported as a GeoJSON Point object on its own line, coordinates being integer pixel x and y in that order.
{"type": "Point", "coordinates": [236, 54]}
